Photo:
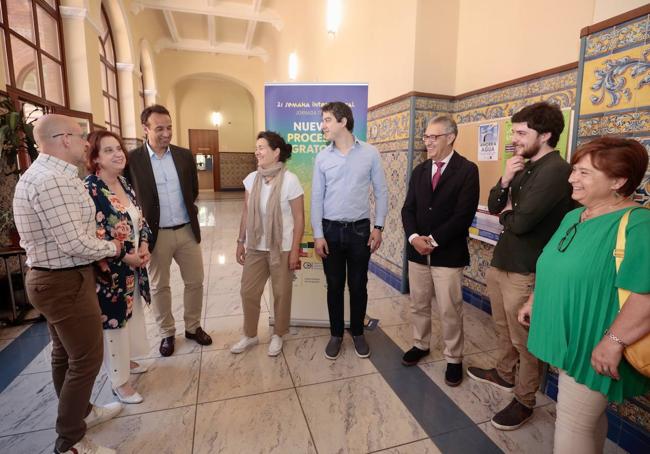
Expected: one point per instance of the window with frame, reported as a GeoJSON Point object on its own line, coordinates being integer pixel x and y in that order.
{"type": "Point", "coordinates": [109, 76]}
{"type": "Point", "coordinates": [33, 43]}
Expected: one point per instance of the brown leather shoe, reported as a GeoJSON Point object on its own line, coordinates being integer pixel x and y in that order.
{"type": "Point", "coordinates": [200, 337]}
{"type": "Point", "coordinates": [167, 346]}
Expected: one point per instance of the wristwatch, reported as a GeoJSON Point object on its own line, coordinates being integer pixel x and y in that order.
{"type": "Point", "coordinates": [379, 227]}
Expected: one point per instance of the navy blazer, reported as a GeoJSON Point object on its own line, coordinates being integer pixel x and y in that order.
{"type": "Point", "coordinates": [445, 214]}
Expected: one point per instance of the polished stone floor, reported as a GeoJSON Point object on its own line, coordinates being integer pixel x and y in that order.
{"type": "Point", "coordinates": [206, 400]}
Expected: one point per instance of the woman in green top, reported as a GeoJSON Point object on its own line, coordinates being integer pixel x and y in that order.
{"type": "Point", "coordinates": [576, 300]}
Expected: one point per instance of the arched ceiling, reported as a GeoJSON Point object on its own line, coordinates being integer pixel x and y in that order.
{"type": "Point", "coordinates": [213, 26]}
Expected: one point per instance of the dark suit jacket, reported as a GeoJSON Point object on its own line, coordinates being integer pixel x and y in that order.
{"type": "Point", "coordinates": [140, 174]}
{"type": "Point", "coordinates": [445, 214]}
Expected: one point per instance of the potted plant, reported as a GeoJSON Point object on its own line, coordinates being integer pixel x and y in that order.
{"type": "Point", "coordinates": [16, 137]}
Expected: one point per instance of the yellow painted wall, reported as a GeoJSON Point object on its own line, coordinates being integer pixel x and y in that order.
{"type": "Point", "coordinates": [375, 44]}
{"type": "Point", "coordinates": [196, 99]}
{"type": "Point", "coordinates": [501, 40]}
{"type": "Point", "coordinates": [604, 9]}
{"type": "Point", "coordinates": [436, 46]}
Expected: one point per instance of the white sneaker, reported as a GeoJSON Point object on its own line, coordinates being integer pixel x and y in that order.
{"type": "Point", "coordinates": [243, 344]}
{"type": "Point", "coordinates": [87, 446]}
{"type": "Point", "coordinates": [99, 415]}
{"type": "Point", "coordinates": [276, 345]}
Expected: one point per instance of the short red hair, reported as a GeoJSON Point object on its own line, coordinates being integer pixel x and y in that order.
{"type": "Point", "coordinates": [616, 157]}
{"type": "Point", "coordinates": [95, 141]}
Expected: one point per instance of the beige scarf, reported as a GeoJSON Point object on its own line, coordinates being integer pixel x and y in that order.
{"type": "Point", "coordinates": [272, 224]}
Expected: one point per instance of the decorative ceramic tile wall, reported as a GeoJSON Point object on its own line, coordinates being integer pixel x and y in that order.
{"type": "Point", "coordinates": [615, 99]}
{"type": "Point", "coordinates": [388, 130]}
{"type": "Point", "coordinates": [615, 96]}
{"type": "Point", "coordinates": [234, 167]}
{"type": "Point", "coordinates": [557, 88]}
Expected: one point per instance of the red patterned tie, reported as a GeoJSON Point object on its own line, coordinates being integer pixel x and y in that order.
{"type": "Point", "coordinates": [436, 176]}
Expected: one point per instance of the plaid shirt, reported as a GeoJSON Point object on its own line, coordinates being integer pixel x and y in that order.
{"type": "Point", "coordinates": [55, 216]}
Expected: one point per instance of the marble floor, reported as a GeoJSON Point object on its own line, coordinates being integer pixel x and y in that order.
{"type": "Point", "coordinates": [206, 400]}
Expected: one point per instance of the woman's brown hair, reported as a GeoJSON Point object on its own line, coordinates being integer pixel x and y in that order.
{"type": "Point", "coordinates": [616, 157]}
{"type": "Point", "coordinates": [95, 141]}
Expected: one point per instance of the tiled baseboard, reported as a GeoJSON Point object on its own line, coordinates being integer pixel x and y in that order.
{"type": "Point", "coordinates": [477, 300]}
{"type": "Point", "coordinates": [387, 276]}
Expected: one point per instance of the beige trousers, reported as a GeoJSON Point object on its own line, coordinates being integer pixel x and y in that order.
{"type": "Point", "coordinates": [508, 292]}
{"type": "Point", "coordinates": [257, 269]}
{"type": "Point", "coordinates": [181, 246]}
{"type": "Point", "coordinates": [445, 283]}
{"type": "Point", "coordinates": [581, 423]}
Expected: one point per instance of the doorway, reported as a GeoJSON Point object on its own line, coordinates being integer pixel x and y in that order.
{"type": "Point", "coordinates": [204, 144]}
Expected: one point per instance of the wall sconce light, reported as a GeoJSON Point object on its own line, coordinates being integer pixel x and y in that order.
{"type": "Point", "coordinates": [334, 13]}
{"type": "Point", "coordinates": [216, 118]}
{"type": "Point", "coordinates": [293, 66]}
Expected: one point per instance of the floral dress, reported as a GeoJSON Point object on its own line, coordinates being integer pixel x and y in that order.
{"type": "Point", "coordinates": [116, 281]}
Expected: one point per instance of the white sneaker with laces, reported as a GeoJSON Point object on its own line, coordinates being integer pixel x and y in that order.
{"type": "Point", "coordinates": [275, 347]}
{"type": "Point", "coordinates": [99, 414]}
{"type": "Point", "coordinates": [243, 344]}
{"type": "Point", "coordinates": [87, 446]}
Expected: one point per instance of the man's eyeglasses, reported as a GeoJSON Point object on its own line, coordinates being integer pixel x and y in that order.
{"type": "Point", "coordinates": [433, 137]}
{"type": "Point", "coordinates": [82, 136]}
{"type": "Point", "coordinates": [568, 237]}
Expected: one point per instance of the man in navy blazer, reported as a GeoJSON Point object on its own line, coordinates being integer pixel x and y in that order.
{"type": "Point", "coordinates": [166, 184]}
{"type": "Point", "coordinates": [439, 208]}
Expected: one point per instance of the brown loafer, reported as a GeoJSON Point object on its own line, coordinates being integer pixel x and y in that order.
{"type": "Point", "coordinates": [200, 337]}
{"type": "Point", "coordinates": [167, 346]}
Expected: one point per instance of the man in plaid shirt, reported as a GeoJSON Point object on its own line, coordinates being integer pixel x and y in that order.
{"type": "Point", "coordinates": [55, 218]}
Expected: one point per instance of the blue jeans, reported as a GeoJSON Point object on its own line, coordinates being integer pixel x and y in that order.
{"type": "Point", "coordinates": [348, 251]}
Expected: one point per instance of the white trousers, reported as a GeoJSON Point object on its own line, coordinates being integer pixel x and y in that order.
{"type": "Point", "coordinates": [122, 344]}
{"type": "Point", "coordinates": [581, 423]}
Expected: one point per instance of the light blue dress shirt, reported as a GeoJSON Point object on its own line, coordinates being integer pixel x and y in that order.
{"type": "Point", "coordinates": [173, 211]}
{"type": "Point", "coordinates": [340, 187]}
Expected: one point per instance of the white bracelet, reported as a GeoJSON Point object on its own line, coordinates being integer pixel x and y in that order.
{"type": "Point", "coordinates": [615, 338]}
{"type": "Point", "coordinates": [241, 241]}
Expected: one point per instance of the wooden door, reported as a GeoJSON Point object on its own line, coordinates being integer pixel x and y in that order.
{"type": "Point", "coordinates": [206, 142]}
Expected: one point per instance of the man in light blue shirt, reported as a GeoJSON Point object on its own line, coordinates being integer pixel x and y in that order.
{"type": "Point", "coordinates": [166, 183]}
{"type": "Point", "coordinates": [340, 219]}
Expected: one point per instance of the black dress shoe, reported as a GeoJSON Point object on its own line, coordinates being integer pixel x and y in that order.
{"type": "Point", "coordinates": [167, 346]}
{"type": "Point", "coordinates": [454, 374]}
{"type": "Point", "coordinates": [199, 336]}
{"type": "Point", "coordinates": [413, 356]}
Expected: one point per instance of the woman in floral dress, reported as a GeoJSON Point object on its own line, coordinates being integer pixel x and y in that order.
{"type": "Point", "coordinates": [122, 282]}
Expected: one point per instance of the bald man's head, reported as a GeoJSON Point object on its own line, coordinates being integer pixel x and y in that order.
{"type": "Point", "coordinates": [61, 137]}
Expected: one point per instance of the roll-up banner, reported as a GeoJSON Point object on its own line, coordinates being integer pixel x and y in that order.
{"type": "Point", "coordinates": [294, 112]}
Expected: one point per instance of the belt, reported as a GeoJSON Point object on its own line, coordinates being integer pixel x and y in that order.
{"type": "Point", "coordinates": [174, 227]}
{"type": "Point", "coordinates": [348, 223]}
{"type": "Point", "coordinates": [70, 268]}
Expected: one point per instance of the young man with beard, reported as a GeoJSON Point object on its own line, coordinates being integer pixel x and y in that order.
{"type": "Point", "coordinates": [532, 197]}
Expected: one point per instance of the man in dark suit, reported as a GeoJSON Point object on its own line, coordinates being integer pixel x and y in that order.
{"type": "Point", "coordinates": [166, 183]}
{"type": "Point", "coordinates": [437, 213]}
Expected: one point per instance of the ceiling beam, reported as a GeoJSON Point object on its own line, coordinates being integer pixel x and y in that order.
{"type": "Point", "coordinates": [252, 25]}
{"type": "Point", "coordinates": [171, 25]}
{"type": "Point", "coordinates": [212, 29]}
{"type": "Point", "coordinates": [200, 45]}
{"type": "Point", "coordinates": [227, 9]}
